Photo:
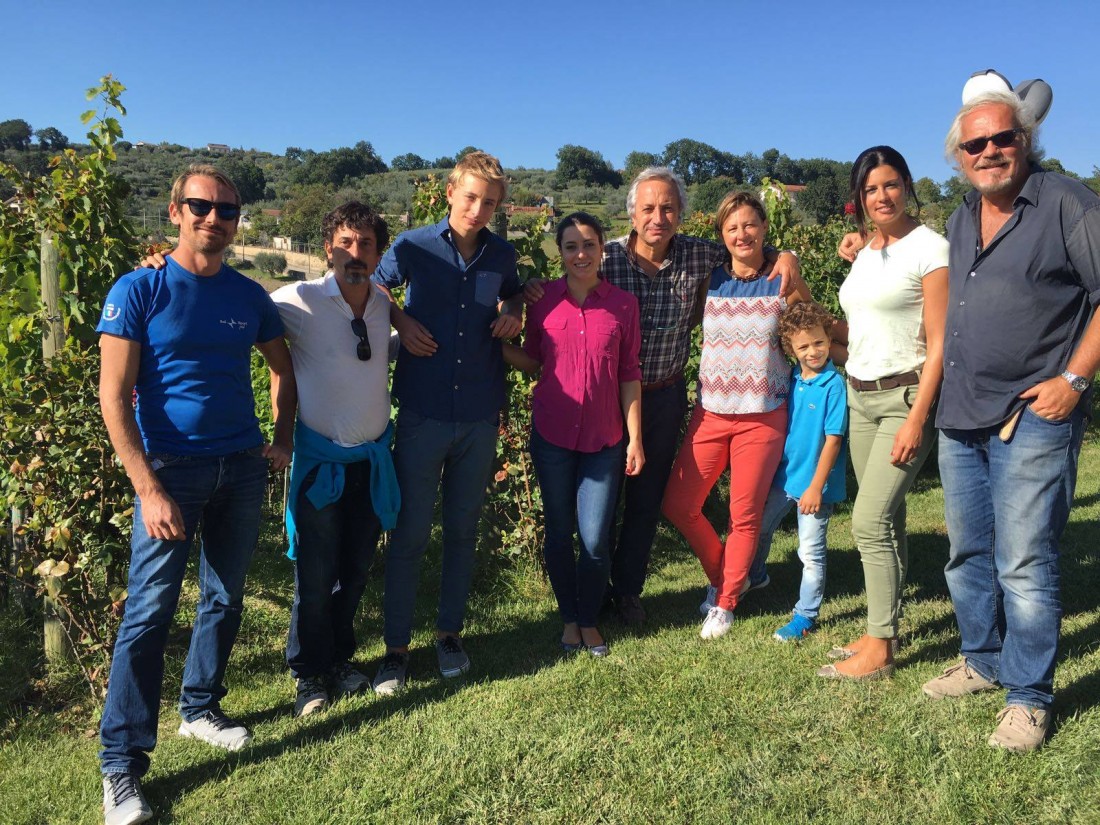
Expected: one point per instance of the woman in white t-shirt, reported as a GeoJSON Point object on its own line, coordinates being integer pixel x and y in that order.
{"type": "Point", "coordinates": [895, 300]}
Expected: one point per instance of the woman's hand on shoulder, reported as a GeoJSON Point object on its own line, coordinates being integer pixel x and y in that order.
{"type": "Point", "coordinates": [850, 245]}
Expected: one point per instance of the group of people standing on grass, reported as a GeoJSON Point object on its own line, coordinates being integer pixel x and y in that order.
{"type": "Point", "coordinates": [989, 337]}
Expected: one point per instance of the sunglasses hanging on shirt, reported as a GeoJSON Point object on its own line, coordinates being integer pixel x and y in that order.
{"type": "Point", "coordinates": [362, 349]}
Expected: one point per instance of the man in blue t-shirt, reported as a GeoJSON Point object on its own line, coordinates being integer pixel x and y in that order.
{"type": "Point", "coordinates": [182, 337]}
{"type": "Point", "coordinates": [449, 382]}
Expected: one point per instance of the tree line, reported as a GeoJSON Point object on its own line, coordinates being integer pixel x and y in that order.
{"type": "Point", "coordinates": [303, 184]}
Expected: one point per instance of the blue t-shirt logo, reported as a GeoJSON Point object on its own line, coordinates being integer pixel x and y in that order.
{"type": "Point", "coordinates": [111, 312]}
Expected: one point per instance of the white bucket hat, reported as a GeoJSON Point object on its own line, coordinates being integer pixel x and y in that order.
{"type": "Point", "coordinates": [1036, 95]}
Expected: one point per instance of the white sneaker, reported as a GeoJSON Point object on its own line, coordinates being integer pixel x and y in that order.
{"type": "Point", "coordinates": [311, 696]}
{"type": "Point", "coordinates": [216, 729]}
{"type": "Point", "coordinates": [717, 624]}
{"type": "Point", "coordinates": [391, 675]}
{"type": "Point", "coordinates": [710, 601]}
{"type": "Point", "coordinates": [123, 802]}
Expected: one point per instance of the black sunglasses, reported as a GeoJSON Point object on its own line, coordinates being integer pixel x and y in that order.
{"type": "Point", "coordinates": [1002, 140]}
{"type": "Point", "coordinates": [362, 349]}
{"type": "Point", "coordinates": [201, 208]}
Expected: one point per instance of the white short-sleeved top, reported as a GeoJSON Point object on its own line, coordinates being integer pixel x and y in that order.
{"type": "Point", "coordinates": [339, 396]}
{"type": "Point", "coordinates": [883, 300]}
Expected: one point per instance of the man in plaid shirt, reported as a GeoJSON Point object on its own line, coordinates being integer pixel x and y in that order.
{"type": "Point", "coordinates": [668, 274]}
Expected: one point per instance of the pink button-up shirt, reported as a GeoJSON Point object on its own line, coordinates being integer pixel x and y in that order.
{"type": "Point", "coordinates": [586, 352]}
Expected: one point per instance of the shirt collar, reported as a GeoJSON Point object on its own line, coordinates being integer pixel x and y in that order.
{"type": "Point", "coordinates": [1032, 185]}
{"type": "Point", "coordinates": [562, 287]}
{"type": "Point", "coordinates": [1029, 192]}
{"type": "Point", "coordinates": [329, 285]}
{"type": "Point", "coordinates": [670, 255]}
{"type": "Point", "coordinates": [826, 374]}
{"type": "Point", "coordinates": [443, 229]}
{"type": "Point", "coordinates": [331, 289]}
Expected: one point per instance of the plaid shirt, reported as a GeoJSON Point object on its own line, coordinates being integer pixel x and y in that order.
{"type": "Point", "coordinates": [667, 300]}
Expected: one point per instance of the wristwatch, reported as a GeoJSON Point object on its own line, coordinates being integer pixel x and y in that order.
{"type": "Point", "coordinates": [1076, 382]}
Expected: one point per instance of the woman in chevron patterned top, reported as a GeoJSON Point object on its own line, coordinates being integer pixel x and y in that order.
{"type": "Point", "coordinates": [740, 420]}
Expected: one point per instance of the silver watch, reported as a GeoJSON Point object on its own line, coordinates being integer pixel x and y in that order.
{"type": "Point", "coordinates": [1076, 382]}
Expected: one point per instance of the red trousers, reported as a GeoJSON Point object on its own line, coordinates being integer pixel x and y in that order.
{"type": "Point", "coordinates": [751, 446]}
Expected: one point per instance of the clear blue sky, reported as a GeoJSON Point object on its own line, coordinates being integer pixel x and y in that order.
{"type": "Point", "coordinates": [520, 79]}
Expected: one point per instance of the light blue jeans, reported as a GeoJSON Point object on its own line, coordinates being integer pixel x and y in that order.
{"type": "Point", "coordinates": [812, 530]}
{"type": "Point", "coordinates": [1006, 506]}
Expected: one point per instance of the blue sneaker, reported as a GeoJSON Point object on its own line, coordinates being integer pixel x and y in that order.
{"type": "Point", "coordinates": [795, 629]}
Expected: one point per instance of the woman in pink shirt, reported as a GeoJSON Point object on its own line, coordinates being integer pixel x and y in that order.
{"type": "Point", "coordinates": [584, 335]}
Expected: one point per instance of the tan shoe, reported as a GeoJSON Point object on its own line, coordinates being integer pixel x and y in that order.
{"type": "Point", "coordinates": [830, 672]}
{"type": "Point", "coordinates": [1021, 729]}
{"type": "Point", "coordinates": [957, 680]}
{"type": "Point", "coordinates": [847, 652]}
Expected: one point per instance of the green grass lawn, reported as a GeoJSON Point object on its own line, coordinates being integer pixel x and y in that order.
{"type": "Point", "coordinates": [667, 729]}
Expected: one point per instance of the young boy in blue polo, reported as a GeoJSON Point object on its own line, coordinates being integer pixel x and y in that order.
{"type": "Point", "coordinates": [811, 473]}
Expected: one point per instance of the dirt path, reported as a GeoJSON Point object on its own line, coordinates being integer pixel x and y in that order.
{"type": "Point", "coordinates": [312, 266]}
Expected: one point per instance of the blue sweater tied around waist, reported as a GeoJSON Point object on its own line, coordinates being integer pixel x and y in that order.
{"type": "Point", "coordinates": [311, 449]}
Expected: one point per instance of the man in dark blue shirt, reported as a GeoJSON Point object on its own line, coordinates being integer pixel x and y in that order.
{"type": "Point", "coordinates": [1021, 347]}
{"type": "Point", "coordinates": [449, 383]}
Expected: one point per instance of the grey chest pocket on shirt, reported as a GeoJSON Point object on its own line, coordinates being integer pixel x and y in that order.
{"type": "Point", "coordinates": [487, 288]}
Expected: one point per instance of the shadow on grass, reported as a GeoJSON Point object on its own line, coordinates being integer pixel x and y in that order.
{"type": "Point", "coordinates": [520, 649]}
{"type": "Point", "coordinates": [925, 581]}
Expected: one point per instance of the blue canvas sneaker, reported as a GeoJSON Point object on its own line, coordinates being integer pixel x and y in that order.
{"type": "Point", "coordinates": [795, 629]}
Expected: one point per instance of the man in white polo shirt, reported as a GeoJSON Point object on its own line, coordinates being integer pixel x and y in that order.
{"type": "Point", "coordinates": [343, 491]}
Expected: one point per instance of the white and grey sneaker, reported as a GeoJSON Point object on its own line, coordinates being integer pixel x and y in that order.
{"type": "Point", "coordinates": [717, 624]}
{"type": "Point", "coordinates": [217, 729]}
{"type": "Point", "coordinates": [311, 697]}
{"type": "Point", "coordinates": [123, 801]}
{"type": "Point", "coordinates": [453, 660]}
{"type": "Point", "coordinates": [710, 601]}
{"type": "Point", "coordinates": [346, 679]}
{"type": "Point", "coordinates": [391, 674]}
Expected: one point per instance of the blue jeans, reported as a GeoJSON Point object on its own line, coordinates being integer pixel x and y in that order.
{"type": "Point", "coordinates": [577, 489]}
{"type": "Point", "coordinates": [226, 493]}
{"type": "Point", "coordinates": [812, 548]}
{"type": "Point", "coordinates": [335, 548]}
{"type": "Point", "coordinates": [455, 457]}
{"type": "Point", "coordinates": [1006, 506]}
{"type": "Point", "coordinates": [663, 413]}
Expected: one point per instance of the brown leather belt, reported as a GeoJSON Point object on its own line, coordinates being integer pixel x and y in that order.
{"type": "Point", "coordinates": [890, 382]}
{"type": "Point", "coordinates": [660, 385]}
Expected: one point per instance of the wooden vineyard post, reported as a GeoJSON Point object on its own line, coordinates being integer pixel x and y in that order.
{"type": "Point", "coordinates": [55, 643]}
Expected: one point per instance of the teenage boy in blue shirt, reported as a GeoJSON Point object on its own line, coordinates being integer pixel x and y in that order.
{"type": "Point", "coordinates": [449, 383]}
{"type": "Point", "coordinates": [811, 473]}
